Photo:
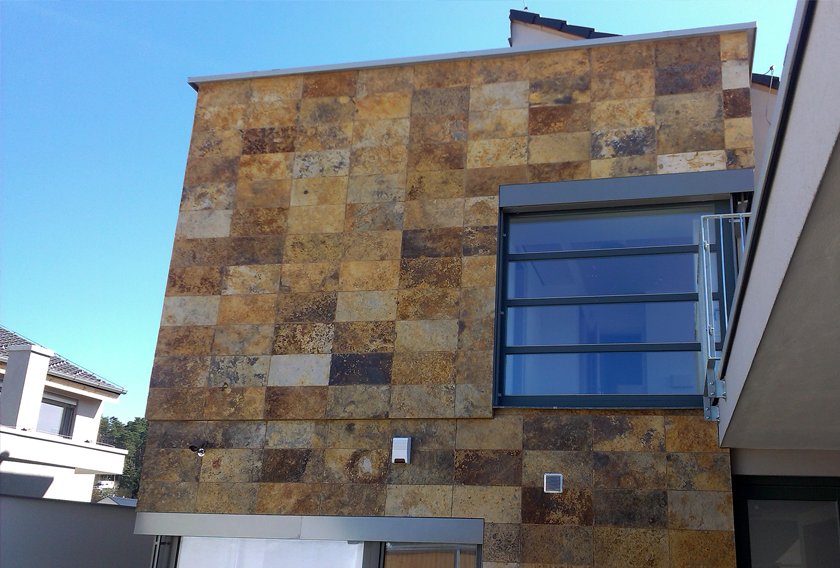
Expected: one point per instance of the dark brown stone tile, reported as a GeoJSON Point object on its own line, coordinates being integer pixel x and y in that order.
{"type": "Point", "coordinates": [501, 542]}
{"type": "Point", "coordinates": [175, 434]}
{"type": "Point", "coordinates": [557, 544]}
{"type": "Point", "coordinates": [428, 303]}
{"type": "Point", "coordinates": [480, 241]}
{"type": "Point", "coordinates": [228, 498]}
{"type": "Point", "coordinates": [702, 49]}
{"type": "Point", "coordinates": [630, 470]}
{"type": "Point", "coordinates": [430, 273]}
{"type": "Point", "coordinates": [432, 243]}
{"type": "Point", "coordinates": [571, 507]}
{"type": "Point", "coordinates": [428, 467]}
{"type": "Point", "coordinates": [736, 103]}
{"type": "Point", "coordinates": [212, 170]}
{"type": "Point", "coordinates": [303, 338]}
{"type": "Point", "coordinates": [232, 434]}
{"type": "Point", "coordinates": [435, 185]}
{"type": "Point", "coordinates": [623, 142]}
{"type": "Point", "coordinates": [292, 466]}
{"type": "Point", "coordinates": [688, 78]}
{"type": "Point", "coordinates": [630, 508]}
{"type": "Point", "coordinates": [564, 171]}
{"type": "Point", "coordinates": [180, 371]}
{"type": "Point", "coordinates": [699, 472]}
{"type": "Point", "coordinates": [486, 181]}
{"type": "Point", "coordinates": [195, 281]}
{"type": "Point", "coordinates": [560, 91]}
{"type": "Point", "coordinates": [269, 140]}
{"type": "Point", "coordinates": [373, 216]}
{"type": "Point", "coordinates": [361, 369]}
{"type": "Point", "coordinates": [436, 102]}
{"type": "Point", "coordinates": [307, 307]}
{"type": "Point", "coordinates": [286, 403]}
{"type": "Point", "coordinates": [288, 498]}
{"type": "Point", "coordinates": [488, 467]}
{"type": "Point", "coordinates": [629, 433]}
{"type": "Point", "coordinates": [235, 403]}
{"type": "Point", "coordinates": [356, 466]}
{"type": "Point", "coordinates": [474, 367]}
{"type": "Point", "coordinates": [190, 340]}
{"type": "Point", "coordinates": [476, 334]}
{"type": "Point", "coordinates": [633, 548]}
{"type": "Point", "coordinates": [175, 403]}
{"type": "Point", "coordinates": [442, 74]}
{"type": "Point", "coordinates": [353, 499]}
{"type": "Point", "coordinates": [559, 433]}
{"type": "Point", "coordinates": [576, 468]}
{"type": "Point", "coordinates": [622, 57]}
{"type": "Point", "coordinates": [563, 118]}
{"type": "Point", "coordinates": [702, 549]}
{"type": "Point", "coordinates": [333, 84]}
{"type": "Point", "coordinates": [438, 129]}
{"type": "Point", "coordinates": [437, 157]}
{"type": "Point", "coordinates": [364, 337]}
{"type": "Point", "coordinates": [170, 464]}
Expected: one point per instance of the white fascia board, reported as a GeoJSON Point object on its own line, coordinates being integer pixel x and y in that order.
{"type": "Point", "coordinates": [748, 27]}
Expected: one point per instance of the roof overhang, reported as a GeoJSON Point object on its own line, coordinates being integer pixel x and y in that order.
{"type": "Point", "coordinates": [780, 359]}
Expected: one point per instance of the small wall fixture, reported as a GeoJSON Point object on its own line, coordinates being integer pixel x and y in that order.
{"type": "Point", "coordinates": [553, 482]}
{"type": "Point", "coordinates": [401, 450]}
{"type": "Point", "coordinates": [197, 450]}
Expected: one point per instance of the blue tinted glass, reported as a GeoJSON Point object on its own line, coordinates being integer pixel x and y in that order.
{"type": "Point", "coordinates": [653, 322]}
{"type": "Point", "coordinates": [601, 276]}
{"type": "Point", "coordinates": [607, 230]}
{"type": "Point", "coordinates": [670, 372]}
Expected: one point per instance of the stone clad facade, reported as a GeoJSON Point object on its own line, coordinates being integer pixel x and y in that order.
{"type": "Point", "coordinates": [332, 285]}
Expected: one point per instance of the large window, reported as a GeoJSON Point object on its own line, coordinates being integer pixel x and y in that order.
{"type": "Point", "coordinates": [57, 415]}
{"type": "Point", "coordinates": [599, 307]}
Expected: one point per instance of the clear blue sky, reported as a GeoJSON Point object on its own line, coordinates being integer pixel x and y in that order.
{"type": "Point", "coordinates": [95, 119]}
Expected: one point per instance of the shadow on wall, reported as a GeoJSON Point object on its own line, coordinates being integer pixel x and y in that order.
{"type": "Point", "coordinates": [22, 485]}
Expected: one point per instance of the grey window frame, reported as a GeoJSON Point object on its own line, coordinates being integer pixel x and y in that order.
{"type": "Point", "coordinates": [721, 188]}
{"type": "Point", "coordinates": [68, 414]}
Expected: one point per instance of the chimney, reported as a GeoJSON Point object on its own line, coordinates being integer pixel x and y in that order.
{"type": "Point", "coordinates": [23, 386]}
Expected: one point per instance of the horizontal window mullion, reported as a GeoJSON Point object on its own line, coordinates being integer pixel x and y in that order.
{"type": "Point", "coordinates": [618, 299]}
{"type": "Point", "coordinates": [634, 251]}
{"type": "Point", "coordinates": [601, 348]}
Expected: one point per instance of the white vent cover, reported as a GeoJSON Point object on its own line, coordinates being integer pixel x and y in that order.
{"type": "Point", "coordinates": [553, 483]}
{"type": "Point", "coordinates": [401, 450]}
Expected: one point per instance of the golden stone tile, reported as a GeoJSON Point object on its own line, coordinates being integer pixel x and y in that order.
{"type": "Point", "coordinates": [613, 58]}
{"type": "Point", "coordinates": [270, 114]}
{"type": "Point", "coordinates": [385, 80]}
{"type": "Point", "coordinates": [330, 84]}
{"type": "Point", "coordinates": [432, 213]}
{"type": "Point", "coordinates": [442, 74]}
{"type": "Point", "coordinates": [305, 403]}
{"type": "Point", "coordinates": [623, 167]}
{"type": "Point", "coordinates": [556, 63]}
{"type": "Point", "coordinates": [430, 272]}
{"type": "Point", "coordinates": [626, 113]}
{"type": "Point", "coordinates": [372, 245]}
{"type": "Point", "coordinates": [229, 117]}
{"type": "Point", "coordinates": [632, 84]}
{"type": "Point", "coordinates": [734, 46]}
{"type": "Point", "coordinates": [427, 335]}
{"type": "Point", "coordinates": [268, 89]}
{"type": "Point", "coordinates": [495, 153]}
{"type": "Point", "coordinates": [558, 118]}
{"type": "Point", "coordinates": [190, 310]}
{"type": "Point", "coordinates": [576, 467]}
{"type": "Point", "coordinates": [229, 498]}
{"type": "Point", "coordinates": [564, 90]}
{"type": "Point", "coordinates": [175, 403]}
{"type": "Point", "coordinates": [170, 464]}
{"type": "Point", "coordinates": [325, 110]}
{"type": "Point", "coordinates": [206, 143]}
{"type": "Point", "coordinates": [258, 308]}
{"type": "Point", "coordinates": [358, 275]}
{"type": "Point", "coordinates": [473, 401]}
{"type": "Point", "coordinates": [243, 340]}
{"type": "Point", "coordinates": [436, 157]}
{"type": "Point", "coordinates": [376, 188]}
{"type": "Point", "coordinates": [479, 211]}
{"type": "Point", "coordinates": [223, 93]}
{"type": "Point", "coordinates": [499, 69]}
{"type": "Point", "coordinates": [316, 219]}
{"type": "Point", "coordinates": [355, 465]}
{"type": "Point", "coordinates": [498, 124]}
{"type": "Point", "coordinates": [263, 194]}
{"type": "Point", "coordinates": [422, 401]}
{"type": "Point", "coordinates": [624, 433]}
{"type": "Point", "coordinates": [486, 181]}
{"type": "Point", "coordinates": [691, 162]}
{"type": "Point", "coordinates": [212, 169]}
{"type": "Point", "coordinates": [315, 247]}
{"type": "Point", "coordinates": [259, 167]}
{"type": "Point", "coordinates": [359, 434]}
{"type": "Point", "coordinates": [288, 499]}
{"type": "Point", "coordinates": [438, 129]}
{"type": "Point", "coordinates": [378, 160]}
{"type": "Point", "coordinates": [311, 277]}
{"type": "Point", "coordinates": [231, 465]}
{"type": "Point", "coordinates": [493, 504]}
{"type": "Point", "coordinates": [689, 123]}
{"type": "Point", "coordinates": [690, 433]}
{"type": "Point", "coordinates": [699, 49]}
{"type": "Point", "coordinates": [258, 222]}
{"type": "Point", "coordinates": [384, 106]}
{"type": "Point", "coordinates": [435, 185]}
{"type": "Point", "coordinates": [423, 368]}
{"type": "Point", "coordinates": [190, 340]}
{"type": "Point", "coordinates": [478, 271]}
{"type": "Point", "coordinates": [503, 432]}
{"type": "Point", "coordinates": [738, 132]}
{"type": "Point", "coordinates": [631, 548]}
{"type": "Point", "coordinates": [498, 96]}
{"type": "Point", "coordinates": [563, 147]}
{"type": "Point", "coordinates": [234, 403]}
{"type": "Point", "coordinates": [702, 549]}
{"type": "Point", "coordinates": [389, 132]}
{"type": "Point", "coordinates": [367, 306]}
{"type": "Point", "coordinates": [418, 501]}
{"type": "Point", "coordinates": [317, 137]}
{"type": "Point", "coordinates": [353, 499]}
{"type": "Point", "coordinates": [564, 171]}
{"type": "Point", "coordinates": [428, 303]}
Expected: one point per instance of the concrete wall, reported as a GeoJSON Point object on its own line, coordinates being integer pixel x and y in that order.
{"type": "Point", "coordinates": [41, 532]}
{"type": "Point", "coordinates": [332, 285]}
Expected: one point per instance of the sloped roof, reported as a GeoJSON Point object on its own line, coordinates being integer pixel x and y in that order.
{"type": "Point", "coordinates": [59, 366]}
{"type": "Point", "coordinates": [766, 80]}
{"type": "Point", "coordinates": [121, 501]}
{"type": "Point", "coordinates": [559, 25]}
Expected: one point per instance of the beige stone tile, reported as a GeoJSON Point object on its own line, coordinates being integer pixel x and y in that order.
{"type": "Point", "coordinates": [503, 432]}
{"type": "Point", "coordinates": [372, 245]}
{"type": "Point", "coordinates": [243, 339]}
{"type": "Point", "coordinates": [311, 277]}
{"type": "Point", "coordinates": [316, 219]}
{"type": "Point", "coordinates": [562, 147]}
{"type": "Point", "coordinates": [251, 279]}
{"type": "Point", "coordinates": [358, 275]}
{"type": "Point", "coordinates": [418, 501]}
{"type": "Point", "coordinates": [627, 113]}
{"type": "Point", "coordinates": [735, 74]}
{"type": "Point", "coordinates": [190, 310]}
{"type": "Point", "coordinates": [556, 63]}
{"type": "Point", "coordinates": [497, 96]}
{"type": "Point", "coordinates": [376, 188]}
{"type": "Point", "coordinates": [265, 114]}
{"type": "Point", "coordinates": [358, 401]}
{"type": "Point", "coordinates": [220, 117]}
{"type": "Point", "coordinates": [493, 504]}
{"type": "Point", "coordinates": [384, 106]}
{"type": "Point", "coordinates": [318, 137]}
{"type": "Point", "coordinates": [295, 434]}
{"type": "Point", "coordinates": [700, 510]}
{"type": "Point", "coordinates": [474, 401]}
{"type": "Point", "coordinates": [229, 498]}
{"type": "Point", "coordinates": [319, 191]}
{"type": "Point", "coordinates": [204, 224]}
{"type": "Point", "coordinates": [434, 213]}
{"type": "Point", "coordinates": [260, 167]}
{"type": "Point", "coordinates": [734, 46]}
{"type": "Point", "coordinates": [494, 153]}
{"type": "Point", "coordinates": [231, 465]}
{"type": "Point", "coordinates": [373, 216]}
{"type": "Point", "coordinates": [380, 132]}
{"type": "Point", "coordinates": [478, 271]}
{"type": "Point", "coordinates": [299, 370]}
{"type": "Point", "coordinates": [378, 160]}
{"type": "Point", "coordinates": [267, 89]}
{"type": "Point", "coordinates": [498, 124]}
{"type": "Point", "coordinates": [691, 162]}
{"type": "Point", "coordinates": [738, 132]}
{"type": "Point", "coordinates": [326, 163]}
{"type": "Point", "coordinates": [385, 80]}
{"type": "Point", "coordinates": [353, 499]}
{"type": "Point", "coordinates": [623, 167]}
{"type": "Point", "coordinates": [256, 308]}
{"type": "Point", "coordinates": [422, 401]}
{"type": "Point", "coordinates": [379, 305]}
{"type": "Point", "coordinates": [427, 335]}
{"type": "Point", "coordinates": [481, 211]}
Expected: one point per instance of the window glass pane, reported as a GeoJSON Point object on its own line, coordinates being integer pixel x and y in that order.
{"type": "Point", "coordinates": [50, 418]}
{"type": "Point", "coordinates": [603, 276]}
{"type": "Point", "coordinates": [794, 534]}
{"type": "Point", "coordinates": [207, 552]}
{"type": "Point", "coordinates": [651, 322]}
{"type": "Point", "coordinates": [404, 555]}
{"type": "Point", "coordinates": [669, 372]}
{"type": "Point", "coordinates": [607, 230]}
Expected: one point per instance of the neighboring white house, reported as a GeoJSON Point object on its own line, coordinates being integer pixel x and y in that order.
{"type": "Point", "coordinates": [49, 421]}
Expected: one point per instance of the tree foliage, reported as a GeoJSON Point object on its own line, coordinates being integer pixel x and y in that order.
{"type": "Point", "coordinates": [131, 437]}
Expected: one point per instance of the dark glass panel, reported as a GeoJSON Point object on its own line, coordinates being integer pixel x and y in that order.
{"type": "Point", "coordinates": [794, 534]}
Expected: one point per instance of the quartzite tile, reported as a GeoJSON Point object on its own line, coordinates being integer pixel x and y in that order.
{"type": "Point", "coordinates": [326, 109]}
{"type": "Point", "coordinates": [167, 496]}
{"type": "Point", "coordinates": [232, 434]}
{"type": "Point", "coordinates": [633, 548]}
{"type": "Point", "coordinates": [622, 57]}
{"type": "Point", "coordinates": [384, 106]}
{"type": "Point", "coordinates": [248, 339]}
{"type": "Point", "coordinates": [700, 510]}
{"type": "Point", "coordinates": [359, 434]}
{"type": "Point", "coordinates": [385, 80]}
{"type": "Point", "coordinates": [561, 147]}
{"type": "Point", "coordinates": [476, 334]}
{"type": "Point", "coordinates": [359, 401]}
{"type": "Point", "coordinates": [291, 338]}
{"type": "Point", "coordinates": [376, 188]}
{"type": "Point", "coordinates": [319, 191]}
{"type": "Point", "coordinates": [302, 308]}
{"type": "Point", "coordinates": [296, 434]}
{"type": "Point", "coordinates": [355, 466]}
{"type": "Point", "coordinates": [423, 401]}
{"type": "Point", "coordinates": [689, 123]}
{"type": "Point", "coordinates": [191, 340]}
{"type": "Point", "coordinates": [170, 464]}
{"type": "Point", "coordinates": [276, 88]}
{"type": "Point", "coordinates": [226, 93]}
{"type": "Point", "coordinates": [436, 157]}
{"type": "Point", "coordinates": [301, 465]}
{"type": "Point", "coordinates": [688, 78]}
{"type": "Point", "coordinates": [239, 371]}
{"type": "Point", "coordinates": [299, 370]}
{"type": "Point", "coordinates": [270, 113]}
{"type": "Point", "coordinates": [322, 163]}
{"type": "Point", "coordinates": [622, 433]}
{"type": "Point", "coordinates": [488, 467]}
{"type": "Point", "coordinates": [498, 124]}
{"type": "Point", "coordinates": [441, 101]}
{"type": "Point", "coordinates": [180, 371]}
{"type": "Point", "coordinates": [690, 433]}
{"type": "Point", "coordinates": [630, 508]}
{"type": "Point", "coordinates": [434, 213]}
{"type": "Point", "coordinates": [203, 224]}
{"type": "Point", "coordinates": [501, 544]}
{"type": "Point", "coordinates": [219, 118]}
{"type": "Point", "coordinates": [427, 467]}
{"type": "Point", "coordinates": [499, 69]}
{"type": "Point", "coordinates": [560, 90]}
{"type": "Point", "coordinates": [623, 167]}
{"type": "Point", "coordinates": [360, 275]}
{"type": "Point", "coordinates": [576, 468]}
{"type": "Point", "coordinates": [288, 498]}
{"type": "Point", "coordinates": [620, 143]}
{"type": "Point", "coordinates": [360, 369]}
{"type": "Point", "coordinates": [309, 277]}
{"type": "Point", "coordinates": [738, 158]}
{"type": "Point", "coordinates": [442, 74]}
{"type": "Point", "coordinates": [438, 129]}
{"type": "Point", "coordinates": [372, 245]}
{"type": "Point", "coordinates": [234, 466]}
{"type": "Point", "coordinates": [262, 221]}
{"type": "Point", "coordinates": [478, 271]}
{"type": "Point", "coordinates": [175, 403]}
{"type": "Point", "coordinates": [266, 193]}
{"type": "Point", "coordinates": [480, 241]}
{"type": "Point", "coordinates": [736, 103]}
{"type": "Point", "coordinates": [208, 196]}
{"type": "Point", "coordinates": [428, 303]}
{"type": "Point", "coordinates": [314, 247]}
{"type": "Point", "coordinates": [699, 471]}
{"type": "Point", "coordinates": [630, 470]}
{"type": "Point", "coordinates": [317, 137]}
{"type": "Point", "coordinates": [558, 432]}
{"type": "Point", "coordinates": [271, 140]}
{"type": "Point", "coordinates": [474, 401]}
{"type": "Point", "coordinates": [636, 83]}
{"type": "Point", "coordinates": [494, 504]}
{"type": "Point", "coordinates": [380, 132]}
{"type": "Point", "coordinates": [372, 305]}
{"type": "Point", "coordinates": [563, 118]}
{"type": "Point", "coordinates": [486, 181]}
{"type": "Point", "coordinates": [353, 499]}
{"type": "Point", "coordinates": [288, 403]}
{"type": "Point", "coordinates": [702, 549]}
{"type": "Point", "coordinates": [418, 501]}
{"type": "Point", "coordinates": [571, 507]}
{"type": "Point", "coordinates": [229, 498]}
{"type": "Point", "coordinates": [552, 64]}
{"type": "Point", "coordinates": [364, 337]}
{"type": "Point", "coordinates": [430, 273]}
{"type": "Point", "coordinates": [332, 84]}
{"type": "Point", "coordinates": [504, 432]}
{"type": "Point", "coordinates": [257, 308]}
{"type": "Point", "coordinates": [378, 160]}
{"type": "Point", "coordinates": [316, 219]}
{"type": "Point", "coordinates": [426, 434]}
{"type": "Point", "coordinates": [190, 310]}
{"type": "Point", "coordinates": [384, 216]}
{"type": "Point", "coordinates": [246, 403]}
{"type": "Point", "coordinates": [427, 335]}
{"type": "Point", "coordinates": [474, 367]}
{"type": "Point", "coordinates": [261, 167]}
{"type": "Point", "coordinates": [564, 171]}
{"type": "Point", "coordinates": [701, 49]}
